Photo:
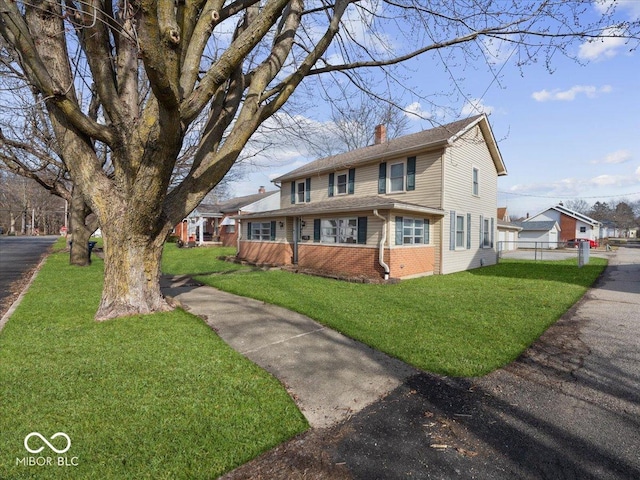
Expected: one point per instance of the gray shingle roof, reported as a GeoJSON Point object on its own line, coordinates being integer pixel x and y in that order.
{"type": "Point", "coordinates": [234, 204]}
{"type": "Point", "coordinates": [427, 138]}
{"type": "Point", "coordinates": [345, 204]}
{"type": "Point", "coordinates": [536, 226]}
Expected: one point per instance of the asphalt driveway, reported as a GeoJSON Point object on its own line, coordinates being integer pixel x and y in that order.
{"type": "Point", "coordinates": [569, 408]}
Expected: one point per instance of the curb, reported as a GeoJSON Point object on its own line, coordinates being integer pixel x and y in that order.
{"type": "Point", "coordinates": [14, 305]}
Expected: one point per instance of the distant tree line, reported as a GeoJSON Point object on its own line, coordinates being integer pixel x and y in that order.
{"type": "Point", "coordinates": [623, 214]}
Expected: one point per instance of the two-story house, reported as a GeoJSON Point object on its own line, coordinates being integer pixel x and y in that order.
{"type": "Point", "coordinates": [417, 205]}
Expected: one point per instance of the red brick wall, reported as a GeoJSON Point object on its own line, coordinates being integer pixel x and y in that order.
{"type": "Point", "coordinates": [567, 228]}
{"type": "Point", "coordinates": [350, 261]}
{"type": "Point", "coordinates": [343, 260]}
{"type": "Point", "coordinates": [273, 253]}
{"type": "Point", "coordinates": [228, 239]}
{"type": "Point", "coordinates": [408, 261]}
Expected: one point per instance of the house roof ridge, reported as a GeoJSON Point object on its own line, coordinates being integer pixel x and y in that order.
{"type": "Point", "coordinates": [430, 137]}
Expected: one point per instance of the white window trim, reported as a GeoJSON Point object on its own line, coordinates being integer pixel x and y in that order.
{"type": "Point", "coordinates": [336, 187]}
{"type": "Point", "coordinates": [261, 234]}
{"type": "Point", "coordinates": [404, 177]}
{"type": "Point", "coordinates": [475, 182]}
{"type": "Point", "coordinates": [346, 220]}
{"type": "Point", "coordinates": [463, 244]}
{"type": "Point", "coordinates": [414, 236]}
{"type": "Point", "coordinates": [303, 192]}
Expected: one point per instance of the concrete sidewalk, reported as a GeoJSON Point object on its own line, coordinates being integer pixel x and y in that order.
{"type": "Point", "coordinates": [329, 376]}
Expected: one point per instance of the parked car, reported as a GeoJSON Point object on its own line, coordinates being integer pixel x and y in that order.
{"type": "Point", "coordinates": [574, 242]}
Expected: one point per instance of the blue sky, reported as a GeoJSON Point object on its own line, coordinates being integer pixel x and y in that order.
{"type": "Point", "coordinates": [573, 133]}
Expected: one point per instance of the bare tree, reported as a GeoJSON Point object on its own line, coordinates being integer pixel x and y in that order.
{"type": "Point", "coordinates": [578, 205]}
{"type": "Point", "coordinates": [155, 68]}
{"type": "Point", "coordinates": [29, 149]}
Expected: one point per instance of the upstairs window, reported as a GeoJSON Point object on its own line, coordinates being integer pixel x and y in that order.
{"type": "Point", "coordinates": [397, 177]}
{"type": "Point", "coordinates": [475, 175]}
{"type": "Point", "coordinates": [301, 191]}
{"type": "Point", "coordinates": [342, 183]}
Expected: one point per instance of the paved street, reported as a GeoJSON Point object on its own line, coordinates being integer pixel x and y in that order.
{"type": "Point", "coordinates": [17, 256]}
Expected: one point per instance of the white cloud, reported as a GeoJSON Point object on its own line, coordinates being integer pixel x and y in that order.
{"type": "Point", "coordinates": [614, 158]}
{"type": "Point", "coordinates": [415, 112]}
{"type": "Point", "coordinates": [589, 91]}
{"type": "Point", "coordinates": [475, 106]}
{"type": "Point", "coordinates": [605, 46]}
{"type": "Point", "coordinates": [631, 7]}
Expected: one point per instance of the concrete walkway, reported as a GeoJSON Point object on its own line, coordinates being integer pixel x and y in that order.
{"type": "Point", "coordinates": [568, 408]}
{"type": "Point", "coordinates": [329, 376]}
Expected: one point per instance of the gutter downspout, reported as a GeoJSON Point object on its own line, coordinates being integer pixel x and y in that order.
{"type": "Point", "coordinates": [239, 238]}
{"type": "Point", "coordinates": [383, 239]}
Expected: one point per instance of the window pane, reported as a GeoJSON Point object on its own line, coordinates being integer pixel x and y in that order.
{"type": "Point", "coordinates": [301, 192]}
{"type": "Point", "coordinates": [342, 184]}
{"type": "Point", "coordinates": [396, 176]}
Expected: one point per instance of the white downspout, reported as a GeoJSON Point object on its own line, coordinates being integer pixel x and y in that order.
{"type": "Point", "coordinates": [383, 240]}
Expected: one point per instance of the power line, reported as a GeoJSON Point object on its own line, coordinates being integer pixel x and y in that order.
{"type": "Point", "coordinates": [565, 196]}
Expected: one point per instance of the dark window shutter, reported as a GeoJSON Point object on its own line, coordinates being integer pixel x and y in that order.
{"type": "Point", "coordinates": [382, 178]}
{"type": "Point", "coordinates": [307, 190]}
{"type": "Point", "coordinates": [468, 230]}
{"type": "Point", "coordinates": [426, 231]}
{"type": "Point", "coordinates": [399, 230]}
{"type": "Point", "coordinates": [273, 230]}
{"type": "Point", "coordinates": [481, 231]}
{"type": "Point", "coordinates": [352, 181]}
{"type": "Point", "coordinates": [332, 177]}
{"type": "Point", "coordinates": [293, 192]}
{"type": "Point", "coordinates": [362, 230]}
{"type": "Point", "coordinates": [452, 230]}
{"type": "Point", "coordinates": [249, 230]}
{"type": "Point", "coordinates": [411, 173]}
{"type": "Point", "coordinates": [316, 229]}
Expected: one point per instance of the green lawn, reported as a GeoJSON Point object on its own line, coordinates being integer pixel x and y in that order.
{"type": "Point", "coordinates": [147, 397]}
{"type": "Point", "coordinates": [464, 324]}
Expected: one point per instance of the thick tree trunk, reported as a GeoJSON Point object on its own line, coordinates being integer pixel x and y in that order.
{"type": "Point", "coordinates": [132, 272]}
{"type": "Point", "coordinates": [81, 230]}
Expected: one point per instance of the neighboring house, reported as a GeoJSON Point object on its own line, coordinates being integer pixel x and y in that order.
{"type": "Point", "coordinates": [216, 223]}
{"type": "Point", "coordinates": [572, 224]}
{"type": "Point", "coordinates": [507, 231]}
{"type": "Point", "coordinates": [609, 229]}
{"type": "Point", "coordinates": [538, 234]}
{"type": "Point", "coordinates": [416, 205]}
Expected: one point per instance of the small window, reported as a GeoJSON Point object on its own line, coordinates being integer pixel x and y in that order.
{"type": "Point", "coordinates": [396, 177]}
{"type": "Point", "coordinates": [475, 181]}
{"type": "Point", "coordinates": [413, 231]}
{"type": "Point", "coordinates": [301, 192]}
{"type": "Point", "coordinates": [459, 231]}
{"type": "Point", "coordinates": [486, 233]}
{"type": "Point", "coordinates": [583, 229]}
{"type": "Point", "coordinates": [264, 231]}
{"type": "Point", "coordinates": [342, 184]}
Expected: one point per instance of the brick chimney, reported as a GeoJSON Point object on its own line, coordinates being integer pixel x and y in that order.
{"type": "Point", "coordinates": [261, 189]}
{"type": "Point", "coordinates": [381, 134]}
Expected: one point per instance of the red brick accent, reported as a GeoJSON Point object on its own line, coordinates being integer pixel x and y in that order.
{"type": "Point", "coordinates": [567, 228]}
{"type": "Point", "coordinates": [351, 261]}
{"type": "Point", "coordinates": [342, 260]}
{"type": "Point", "coordinates": [408, 261]}
{"type": "Point", "coordinates": [273, 253]}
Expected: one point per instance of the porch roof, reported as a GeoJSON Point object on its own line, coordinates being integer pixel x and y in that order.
{"type": "Point", "coordinates": [344, 205]}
